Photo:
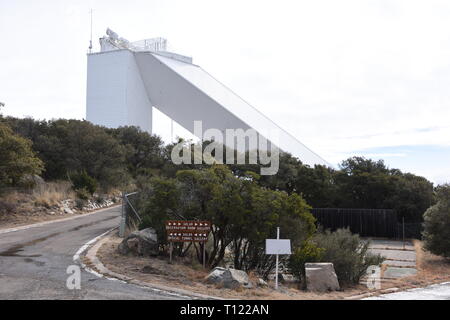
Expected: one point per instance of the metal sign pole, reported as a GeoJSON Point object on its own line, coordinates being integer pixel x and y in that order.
{"type": "Point", "coordinates": [276, 264]}
{"type": "Point", "coordinates": [170, 251]}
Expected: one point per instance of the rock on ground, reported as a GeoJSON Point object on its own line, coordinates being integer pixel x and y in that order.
{"type": "Point", "coordinates": [216, 276]}
{"type": "Point", "coordinates": [262, 283]}
{"type": "Point", "coordinates": [68, 210]}
{"type": "Point", "coordinates": [229, 278]}
{"type": "Point", "coordinates": [143, 243]}
{"type": "Point", "coordinates": [321, 277]}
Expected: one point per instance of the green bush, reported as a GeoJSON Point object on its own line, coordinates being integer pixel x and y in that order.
{"type": "Point", "coordinates": [83, 194]}
{"type": "Point", "coordinates": [436, 233]}
{"type": "Point", "coordinates": [67, 146]}
{"type": "Point", "coordinates": [242, 214]}
{"type": "Point", "coordinates": [81, 180]}
{"type": "Point", "coordinates": [307, 252]}
{"type": "Point", "coordinates": [17, 158]}
{"type": "Point", "coordinates": [80, 203]}
{"type": "Point", "coordinates": [160, 202]}
{"type": "Point", "coordinates": [348, 254]}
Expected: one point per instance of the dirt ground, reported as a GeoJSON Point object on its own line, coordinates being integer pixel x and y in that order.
{"type": "Point", "coordinates": [191, 277]}
{"type": "Point", "coordinates": [431, 269]}
{"type": "Point", "coordinates": [23, 208]}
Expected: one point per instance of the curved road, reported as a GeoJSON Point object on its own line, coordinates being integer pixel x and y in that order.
{"type": "Point", "coordinates": [33, 262]}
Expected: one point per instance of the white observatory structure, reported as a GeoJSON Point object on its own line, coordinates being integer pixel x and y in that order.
{"type": "Point", "coordinates": [127, 79]}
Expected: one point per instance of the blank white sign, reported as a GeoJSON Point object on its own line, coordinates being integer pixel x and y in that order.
{"type": "Point", "coordinates": [280, 246]}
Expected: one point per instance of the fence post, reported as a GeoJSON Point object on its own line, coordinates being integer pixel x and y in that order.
{"type": "Point", "coordinates": [204, 255]}
{"type": "Point", "coordinates": [403, 222]}
{"type": "Point", "coordinates": [123, 220]}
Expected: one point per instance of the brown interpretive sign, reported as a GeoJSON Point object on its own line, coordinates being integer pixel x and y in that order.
{"type": "Point", "coordinates": [187, 231]}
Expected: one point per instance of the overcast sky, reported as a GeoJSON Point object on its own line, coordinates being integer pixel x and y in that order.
{"type": "Point", "coordinates": [345, 77]}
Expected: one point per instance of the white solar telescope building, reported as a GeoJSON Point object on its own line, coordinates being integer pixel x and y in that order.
{"type": "Point", "coordinates": [126, 80]}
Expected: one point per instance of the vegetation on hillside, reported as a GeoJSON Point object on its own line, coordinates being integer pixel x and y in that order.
{"type": "Point", "coordinates": [242, 213]}
{"type": "Point", "coordinates": [244, 207]}
{"type": "Point", "coordinates": [437, 224]}
{"type": "Point", "coordinates": [118, 158]}
{"type": "Point", "coordinates": [17, 158]}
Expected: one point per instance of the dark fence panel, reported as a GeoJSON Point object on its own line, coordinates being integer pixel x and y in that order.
{"type": "Point", "coordinates": [365, 222]}
{"type": "Point", "coordinates": [413, 230]}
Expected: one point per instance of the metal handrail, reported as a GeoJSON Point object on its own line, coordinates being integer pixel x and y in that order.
{"type": "Point", "coordinates": [134, 210]}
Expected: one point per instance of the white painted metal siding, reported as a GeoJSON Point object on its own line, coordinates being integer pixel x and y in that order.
{"type": "Point", "coordinates": [122, 83]}
{"type": "Point", "coordinates": [185, 92]}
{"type": "Point", "coordinates": [115, 92]}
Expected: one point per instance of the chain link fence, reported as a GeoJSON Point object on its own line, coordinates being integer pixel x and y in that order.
{"type": "Point", "coordinates": [130, 217]}
{"type": "Point", "coordinates": [383, 223]}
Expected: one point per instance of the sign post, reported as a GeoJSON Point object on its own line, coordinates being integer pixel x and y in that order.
{"type": "Point", "coordinates": [276, 264]}
{"type": "Point", "coordinates": [278, 246]}
{"type": "Point", "coordinates": [204, 255]}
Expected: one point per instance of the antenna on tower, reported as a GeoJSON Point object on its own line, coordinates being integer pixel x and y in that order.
{"type": "Point", "coordinates": [90, 41]}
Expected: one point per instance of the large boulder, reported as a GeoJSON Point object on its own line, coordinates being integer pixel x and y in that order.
{"type": "Point", "coordinates": [321, 277]}
{"type": "Point", "coordinates": [216, 276]}
{"type": "Point", "coordinates": [143, 243]}
{"type": "Point", "coordinates": [229, 278]}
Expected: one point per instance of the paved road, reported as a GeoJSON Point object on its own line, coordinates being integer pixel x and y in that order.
{"type": "Point", "coordinates": [33, 262]}
{"type": "Point", "coordinates": [434, 292]}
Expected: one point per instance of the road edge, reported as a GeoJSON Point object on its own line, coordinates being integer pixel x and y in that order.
{"type": "Point", "coordinates": [40, 224]}
{"type": "Point", "coordinates": [94, 266]}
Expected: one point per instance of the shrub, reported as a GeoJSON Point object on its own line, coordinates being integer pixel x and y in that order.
{"type": "Point", "coordinates": [160, 203]}
{"type": "Point", "coordinates": [82, 180]}
{"type": "Point", "coordinates": [83, 194]}
{"type": "Point", "coordinates": [436, 233]}
{"type": "Point", "coordinates": [307, 252]}
{"type": "Point", "coordinates": [348, 254]}
{"type": "Point", "coordinates": [242, 214]}
{"type": "Point", "coordinates": [68, 146]}
{"type": "Point", "coordinates": [80, 203]}
{"type": "Point", "coordinates": [17, 158]}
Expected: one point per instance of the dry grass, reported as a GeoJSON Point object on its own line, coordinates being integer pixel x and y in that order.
{"type": "Point", "coordinates": [11, 197]}
{"type": "Point", "coordinates": [9, 202]}
{"type": "Point", "coordinates": [50, 193]}
{"type": "Point", "coordinates": [45, 202]}
{"type": "Point", "coordinates": [431, 266]}
{"type": "Point", "coordinates": [431, 269]}
{"type": "Point", "coordinates": [36, 205]}
{"type": "Point", "coordinates": [182, 275]}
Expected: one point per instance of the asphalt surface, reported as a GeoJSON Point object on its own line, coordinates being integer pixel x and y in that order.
{"type": "Point", "coordinates": [34, 262]}
{"type": "Point", "coordinates": [433, 292]}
